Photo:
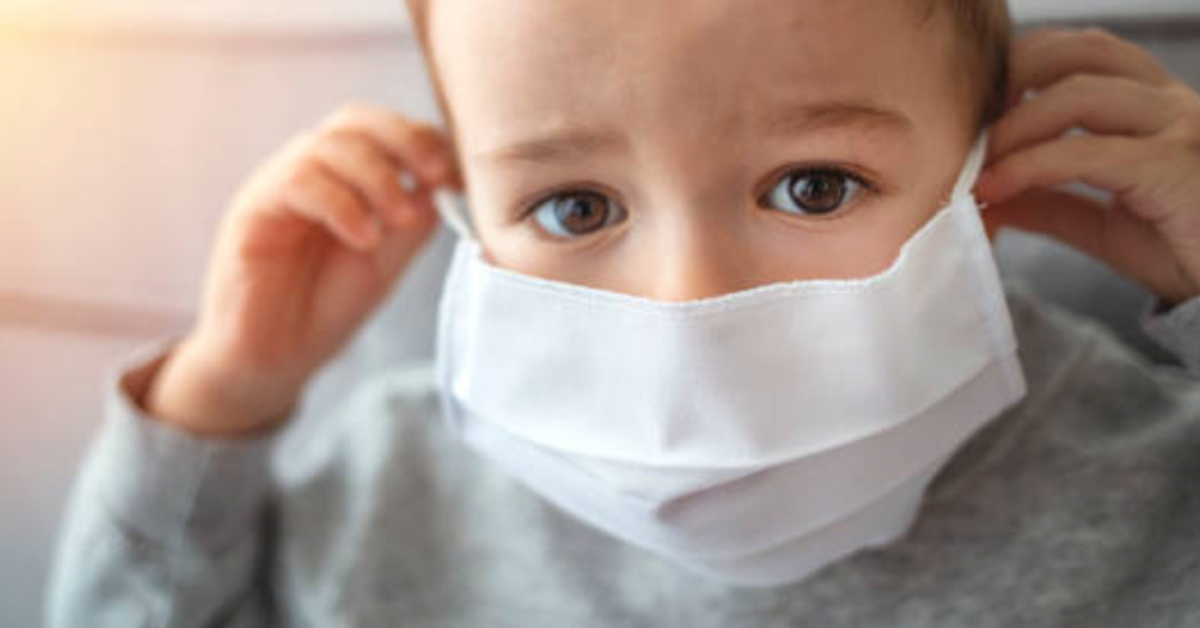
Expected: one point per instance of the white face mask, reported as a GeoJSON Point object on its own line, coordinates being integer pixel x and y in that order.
{"type": "Point", "coordinates": [756, 436]}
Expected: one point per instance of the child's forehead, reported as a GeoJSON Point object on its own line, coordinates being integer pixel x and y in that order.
{"type": "Point", "coordinates": [554, 34]}
{"type": "Point", "coordinates": [505, 64]}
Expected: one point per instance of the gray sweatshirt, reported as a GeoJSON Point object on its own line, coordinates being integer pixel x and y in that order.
{"type": "Point", "coordinates": [1078, 507]}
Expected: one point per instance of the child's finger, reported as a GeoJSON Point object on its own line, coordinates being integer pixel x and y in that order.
{"type": "Point", "coordinates": [318, 196]}
{"type": "Point", "coordinates": [394, 253]}
{"type": "Point", "coordinates": [1100, 104]}
{"type": "Point", "coordinates": [1066, 217]}
{"type": "Point", "coordinates": [1112, 235]}
{"type": "Point", "coordinates": [1114, 163]}
{"type": "Point", "coordinates": [1035, 37]}
{"type": "Point", "coordinates": [361, 164]}
{"type": "Point", "coordinates": [419, 146]}
{"type": "Point", "coordinates": [399, 247]}
{"type": "Point", "coordinates": [1039, 61]}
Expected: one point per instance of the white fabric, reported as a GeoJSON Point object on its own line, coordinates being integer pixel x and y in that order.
{"type": "Point", "coordinates": [758, 435]}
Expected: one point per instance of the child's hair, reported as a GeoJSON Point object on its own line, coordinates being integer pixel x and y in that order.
{"type": "Point", "coordinates": [984, 28]}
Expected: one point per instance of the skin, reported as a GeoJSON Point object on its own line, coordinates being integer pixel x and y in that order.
{"type": "Point", "coordinates": [1140, 143]}
{"type": "Point", "coordinates": [684, 94]}
{"type": "Point", "coordinates": [321, 233]}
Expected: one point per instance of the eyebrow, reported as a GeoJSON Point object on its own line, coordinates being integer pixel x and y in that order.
{"type": "Point", "coordinates": [561, 147]}
{"type": "Point", "coordinates": [574, 145]}
{"type": "Point", "coordinates": [812, 117]}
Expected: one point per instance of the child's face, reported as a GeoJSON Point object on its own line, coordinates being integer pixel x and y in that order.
{"type": "Point", "coordinates": [685, 149]}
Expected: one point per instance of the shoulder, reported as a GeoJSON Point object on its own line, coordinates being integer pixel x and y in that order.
{"type": "Point", "coordinates": [374, 419]}
{"type": "Point", "coordinates": [1096, 410]}
{"type": "Point", "coordinates": [1078, 368]}
{"type": "Point", "coordinates": [381, 491]}
{"type": "Point", "coordinates": [381, 452]}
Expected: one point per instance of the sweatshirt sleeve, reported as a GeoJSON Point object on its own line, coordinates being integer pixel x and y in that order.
{"type": "Point", "coordinates": [1177, 329]}
{"type": "Point", "coordinates": [162, 528]}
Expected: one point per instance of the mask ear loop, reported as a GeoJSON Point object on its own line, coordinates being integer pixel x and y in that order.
{"type": "Point", "coordinates": [453, 213]}
{"type": "Point", "coordinates": [965, 185]}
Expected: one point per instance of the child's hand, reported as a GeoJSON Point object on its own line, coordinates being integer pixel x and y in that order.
{"type": "Point", "coordinates": [309, 247]}
{"type": "Point", "coordinates": [1140, 142]}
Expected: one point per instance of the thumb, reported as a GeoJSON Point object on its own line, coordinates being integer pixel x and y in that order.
{"type": "Point", "coordinates": [1070, 218]}
{"type": "Point", "coordinates": [400, 245]}
{"type": "Point", "coordinates": [352, 283]}
{"type": "Point", "coordinates": [1105, 231]}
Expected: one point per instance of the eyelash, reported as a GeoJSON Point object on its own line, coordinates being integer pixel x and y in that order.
{"type": "Point", "coordinates": [529, 209]}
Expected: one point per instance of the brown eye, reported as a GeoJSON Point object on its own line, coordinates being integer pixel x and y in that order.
{"type": "Point", "coordinates": [576, 214]}
{"type": "Point", "coordinates": [814, 192]}
{"type": "Point", "coordinates": [819, 193]}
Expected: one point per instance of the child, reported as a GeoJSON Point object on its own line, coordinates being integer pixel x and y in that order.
{"type": "Point", "coordinates": [683, 168]}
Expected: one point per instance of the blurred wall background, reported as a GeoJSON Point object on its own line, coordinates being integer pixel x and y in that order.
{"type": "Point", "coordinates": [124, 127]}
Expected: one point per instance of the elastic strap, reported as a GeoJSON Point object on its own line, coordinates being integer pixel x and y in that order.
{"type": "Point", "coordinates": [453, 212]}
{"type": "Point", "coordinates": [972, 168]}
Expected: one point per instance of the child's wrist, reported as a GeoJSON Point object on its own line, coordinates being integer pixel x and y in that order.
{"type": "Point", "coordinates": [202, 393]}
